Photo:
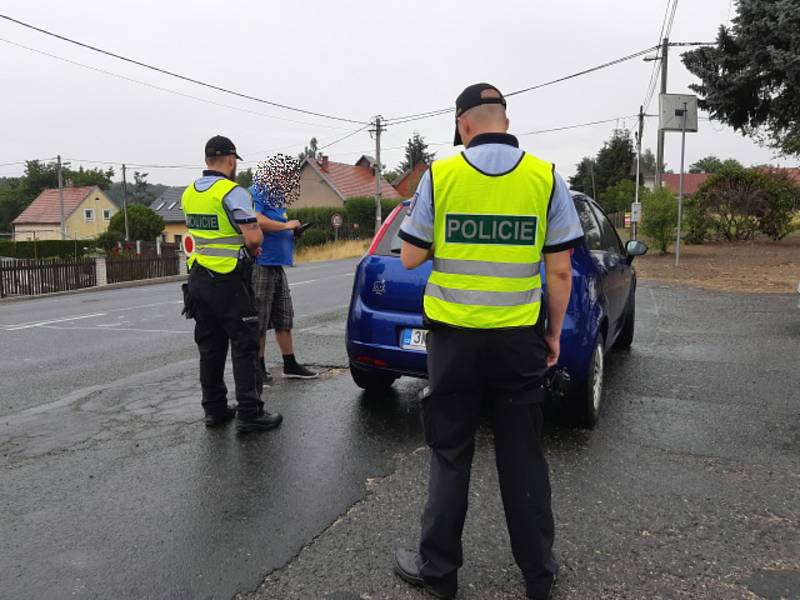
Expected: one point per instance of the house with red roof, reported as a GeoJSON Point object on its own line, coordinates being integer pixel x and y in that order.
{"type": "Point", "coordinates": [87, 212]}
{"type": "Point", "coordinates": [407, 182]}
{"type": "Point", "coordinates": [692, 181]}
{"type": "Point", "coordinates": [324, 182]}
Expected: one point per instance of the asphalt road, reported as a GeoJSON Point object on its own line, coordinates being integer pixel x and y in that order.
{"type": "Point", "coordinates": [688, 488]}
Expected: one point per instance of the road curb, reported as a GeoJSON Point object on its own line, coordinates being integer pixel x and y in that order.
{"type": "Point", "coordinates": [110, 286]}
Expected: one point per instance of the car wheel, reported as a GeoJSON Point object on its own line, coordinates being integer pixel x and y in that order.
{"type": "Point", "coordinates": [588, 396]}
{"type": "Point", "coordinates": [625, 337]}
{"type": "Point", "coordinates": [369, 380]}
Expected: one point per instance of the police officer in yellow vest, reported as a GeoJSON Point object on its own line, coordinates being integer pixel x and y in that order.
{"type": "Point", "coordinates": [219, 215]}
{"type": "Point", "coordinates": [488, 217]}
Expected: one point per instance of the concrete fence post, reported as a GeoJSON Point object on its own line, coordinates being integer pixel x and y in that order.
{"type": "Point", "coordinates": [182, 268]}
{"type": "Point", "coordinates": [138, 247]}
{"type": "Point", "coordinates": [101, 270]}
{"type": "Point", "coordinates": [158, 246]}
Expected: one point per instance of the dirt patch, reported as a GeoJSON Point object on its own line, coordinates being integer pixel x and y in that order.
{"type": "Point", "coordinates": [758, 266]}
{"type": "Point", "coordinates": [333, 251]}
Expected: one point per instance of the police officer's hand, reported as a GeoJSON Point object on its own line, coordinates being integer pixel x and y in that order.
{"type": "Point", "coordinates": [553, 348]}
{"type": "Point", "coordinates": [293, 224]}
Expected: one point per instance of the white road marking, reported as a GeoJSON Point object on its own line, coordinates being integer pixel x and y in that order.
{"type": "Point", "coordinates": [95, 328]}
{"type": "Point", "coordinates": [51, 321]}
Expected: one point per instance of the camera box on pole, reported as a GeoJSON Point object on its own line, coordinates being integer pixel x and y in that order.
{"type": "Point", "coordinates": [671, 107]}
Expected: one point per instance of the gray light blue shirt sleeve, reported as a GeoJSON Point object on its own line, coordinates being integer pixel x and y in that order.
{"type": "Point", "coordinates": [563, 225]}
{"type": "Point", "coordinates": [417, 227]}
{"type": "Point", "coordinates": [239, 204]}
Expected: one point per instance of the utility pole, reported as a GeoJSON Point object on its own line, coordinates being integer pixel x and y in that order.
{"type": "Point", "coordinates": [680, 186]}
{"type": "Point", "coordinates": [378, 129]}
{"type": "Point", "coordinates": [639, 133]}
{"type": "Point", "coordinates": [61, 197]}
{"type": "Point", "coordinates": [660, 146]}
{"type": "Point", "coordinates": [125, 203]}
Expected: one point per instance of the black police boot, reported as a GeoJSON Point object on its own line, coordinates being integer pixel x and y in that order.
{"type": "Point", "coordinates": [263, 422]}
{"type": "Point", "coordinates": [220, 419]}
{"type": "Point", "coordinates": [407, 564]}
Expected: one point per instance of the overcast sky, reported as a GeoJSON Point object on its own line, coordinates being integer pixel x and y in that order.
{"type": "Point", "coordinates": [347, 58]}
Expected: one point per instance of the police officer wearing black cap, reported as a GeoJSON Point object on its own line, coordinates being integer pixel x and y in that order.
{"type": "Point", "coordinates": [219, 294]}
{"type": "Point", "coordinates": [488, 217]}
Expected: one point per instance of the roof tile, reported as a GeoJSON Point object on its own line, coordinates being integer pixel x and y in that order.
{"type": "Point", "coordinates": [45, 207]}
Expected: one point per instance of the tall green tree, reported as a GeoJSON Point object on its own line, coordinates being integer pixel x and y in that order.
{"type": "Point", "coordinates": [141, 192]}
{"type": "Point", "coordinates": [712, 164]}
{"type": "Point", "coordinates": [416, 153]}
{"type": "Point", "coordinates": [751, 78]}
{"type": "Point", "coordinates": [582, 180]}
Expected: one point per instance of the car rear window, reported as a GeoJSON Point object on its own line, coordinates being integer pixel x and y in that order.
{"type": "Point", "coordinates": [390, 243]}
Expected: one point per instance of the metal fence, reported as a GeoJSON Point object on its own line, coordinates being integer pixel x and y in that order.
{"type": "Point", "coordinates": [133, 268]}
{"type": "Point", "coordinates": [29, 277]}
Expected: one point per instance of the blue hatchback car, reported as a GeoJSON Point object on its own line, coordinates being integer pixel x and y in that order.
{"type": "Point", "coordinates": [386, 335]}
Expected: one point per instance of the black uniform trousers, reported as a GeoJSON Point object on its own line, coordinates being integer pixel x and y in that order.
{"type": "Point", "coordinates": [226, 313]}
{"type": "Point", "coordinates": [468, 369]}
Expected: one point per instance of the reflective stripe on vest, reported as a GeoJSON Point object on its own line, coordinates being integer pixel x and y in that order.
{"type": "Point", "coordinates": [489, 231]}
{"type": "Point", "coordinates": [217, 240]}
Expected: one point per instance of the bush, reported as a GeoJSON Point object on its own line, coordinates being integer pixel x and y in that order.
{"type": "Point", "coordinates": [312, 237]}
{"type": "Point", "coordinates": [660, 217]}
{"type": "Point", "coordinates": [740, 203]}
{"type": "Point", "coordinates": [695, 222]}
{"type": "Point", "coordinates": [108, 240]}
{"type": "Point", "coordinates": [45, 248]}
{"type": "Point", "coordinates": [361, 211]}
{"type": "Point", "coordinates": [143, 223]}
{"type": "Point", "coordinates": [620, 196]}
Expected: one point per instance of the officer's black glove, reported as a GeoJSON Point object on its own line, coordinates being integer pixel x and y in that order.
{"type": "Point", "coordinates": [189, 307]}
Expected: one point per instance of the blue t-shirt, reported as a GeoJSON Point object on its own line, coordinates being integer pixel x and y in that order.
{"type": "Point", "coordinates": [277, 249]}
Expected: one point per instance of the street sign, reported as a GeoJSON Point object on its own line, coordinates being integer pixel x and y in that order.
{"type": "Point", "coordinates": [627, 220]}
{"type": "Point", "coordinates": [188, 244]}
{"type": "Point", "coordinates": [636, 212]}
{"type": "Point", "coordinates": [672, 107]}
{"type": "Point", "coordinates": [337, 220]}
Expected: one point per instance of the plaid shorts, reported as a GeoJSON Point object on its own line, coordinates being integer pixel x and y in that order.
{"type": "Point", "coordinates": [273, 298]}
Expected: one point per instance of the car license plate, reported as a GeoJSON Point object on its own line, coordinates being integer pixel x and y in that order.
{"type": "Point", "coordinates": [414, 339]}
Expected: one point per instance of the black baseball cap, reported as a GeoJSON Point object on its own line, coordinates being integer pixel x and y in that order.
{"type": "Point", "coordinates": [219, 145]}
{"type": "Point", "coordinates": [471, 97]}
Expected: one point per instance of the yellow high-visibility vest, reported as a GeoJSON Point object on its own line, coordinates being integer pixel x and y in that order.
{"type": "Point", "coordinates": [489, 231]}
{"type": "Point", "coordinates": [217, 241]}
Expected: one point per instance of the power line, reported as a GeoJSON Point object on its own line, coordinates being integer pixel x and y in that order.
{"type": "Point", "coordinates": [349, 135]}
{"type": "Point", "coordinates": [576, 126]}
{"type": "Point", "coordinates": [434, 113]}
{"type": "Point", "coordinates": [178, 75]}
{"type": "Point", "coordinates": [163, 89]}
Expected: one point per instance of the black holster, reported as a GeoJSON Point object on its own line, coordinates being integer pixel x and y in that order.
{"type": "Point", "coordinates": [189, 306]}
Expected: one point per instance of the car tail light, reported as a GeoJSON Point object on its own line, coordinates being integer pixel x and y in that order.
{"type": "Point", "coordinates": [382, 231]}
{"type": "Point", "coordinates": [369, 360]}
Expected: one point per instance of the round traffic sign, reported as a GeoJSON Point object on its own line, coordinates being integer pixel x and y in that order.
{"type": "Point", "coordinates": [188, 244]}
{"type": "Point", "coordinates": [336, 220]}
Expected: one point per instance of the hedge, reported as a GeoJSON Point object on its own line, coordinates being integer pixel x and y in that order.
{"type": "Point", "coordinates": [46, 248]}
{"type": "Point", "coordinates": [358, 212]}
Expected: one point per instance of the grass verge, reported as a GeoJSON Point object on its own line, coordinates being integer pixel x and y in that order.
{"type": "Point", "coordinates": [333, 251]}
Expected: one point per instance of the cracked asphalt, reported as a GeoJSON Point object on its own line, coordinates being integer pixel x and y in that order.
{"type": "Point", "coordinates": [689, 487]}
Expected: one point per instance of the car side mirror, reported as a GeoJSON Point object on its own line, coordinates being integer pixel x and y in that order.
{"type": "Point", "coordinates": [635, 248]}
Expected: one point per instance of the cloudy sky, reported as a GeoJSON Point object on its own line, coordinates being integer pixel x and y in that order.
{"type": "Point", "coordinates": [346, 58]}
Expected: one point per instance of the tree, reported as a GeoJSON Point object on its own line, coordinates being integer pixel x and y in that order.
{"type": "Point", "coordinates": [143, 223]}
{"type": "Point", "coordinates": [141, 192]}
{"type": "Point", "coordinates": [647, 166]}
{"type": "Point", "coordinates": [709, 164]}
{"type": "Point", "coordinates": [620, 196]}
{"type": "Point", "coordinates": [582, 181]}
{"type": "Point", "coordinates": [614, 162]}
{"type": "Point", "coordinates": [416, 153]}
{"type": "Point", "coordinates": [749, 80]}
{"type": "Point", "coordinates": [245, 178]}
{"type": "Point", "coordinates": [740, 203]}
{"type": "Point", "coordinates": [310, 151]}
{"type": "Point", "coordinates": [660, 217]}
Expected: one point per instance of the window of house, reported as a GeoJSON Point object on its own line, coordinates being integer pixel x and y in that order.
{"type": "Point", "coordinates": [178, 238]}
{"type": "Point", "coordinates": [171, 206]}
{"type": "Point", "coordinates": [106, 214]}
{"type": "Point", "coordinates": [160, 205]}
{"type": "Point", "coordinates": [88, 215]}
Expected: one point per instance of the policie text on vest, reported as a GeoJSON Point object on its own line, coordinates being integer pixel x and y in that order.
{"type": "Point", "coordinates": [491, 229]}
